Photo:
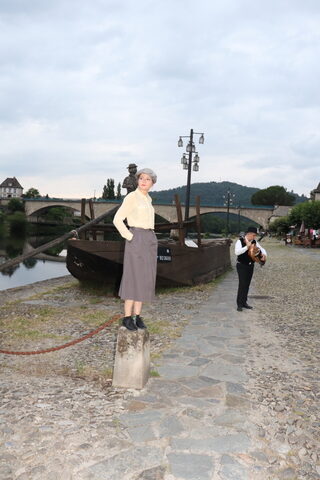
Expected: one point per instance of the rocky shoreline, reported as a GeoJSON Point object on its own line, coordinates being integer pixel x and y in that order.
{"type": "Point", "coordinates": [44, 398]}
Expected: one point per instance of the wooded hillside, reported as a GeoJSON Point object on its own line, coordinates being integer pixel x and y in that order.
{"type": "Point", "coordinates": [211, 193]}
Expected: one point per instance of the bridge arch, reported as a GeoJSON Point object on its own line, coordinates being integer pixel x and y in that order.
{"type": "Point", "coordinates": [260, 216]}
{"type": "Point", "coordinates": [219, 222]}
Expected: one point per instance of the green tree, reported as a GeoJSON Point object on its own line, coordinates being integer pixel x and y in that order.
{"type": "Point", "coordinates": [32, 193]}
{"type": "Point", "coordinates": [105, 193]}
{"type": "Point", "coordinates": [212, 223]}
{"type": "Point", "coordinates": [274, 195]}
{"type": "Point", "coordinates": [15, 205]}
{"type": "Point", "coordinates": [18, 223]}
{"type": "Point", "coordinates": [110, 189]}
{"type": "Point", "coordinates": [118, 191]}
{"type": "Point", "coordinates": [280, 226]}
{"type": "Point", "coordinates": [57, 214]}
{"type": "Point", "coordinates": [307, 212]}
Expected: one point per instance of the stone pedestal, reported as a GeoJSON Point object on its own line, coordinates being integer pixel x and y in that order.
{"type": "Point", "coordinates": [132, 360]}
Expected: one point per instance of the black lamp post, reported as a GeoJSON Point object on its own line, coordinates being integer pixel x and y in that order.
{"type": "Point", "coordinates": [228, 201]}
{"type": "Point", "coordinates": [187, 161]}
{"type": "Point", "coordinates": [239, 214]}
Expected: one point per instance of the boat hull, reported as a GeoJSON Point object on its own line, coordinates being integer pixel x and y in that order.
{"type": "Point", "coordinates": [101, 261]}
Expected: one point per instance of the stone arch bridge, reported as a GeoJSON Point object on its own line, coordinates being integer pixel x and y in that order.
{"type": "Point", "coordinates": [260, 215]}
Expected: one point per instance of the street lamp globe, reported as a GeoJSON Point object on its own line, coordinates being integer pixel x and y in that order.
{"type": "Point", "coordinates": [190, 148]}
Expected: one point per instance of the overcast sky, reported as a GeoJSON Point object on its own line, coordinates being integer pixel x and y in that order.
{"type": "Point", "coordinates": [88, 87]}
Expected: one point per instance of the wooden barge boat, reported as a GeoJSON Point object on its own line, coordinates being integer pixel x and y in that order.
{"type": "Point", "coordinates": [178, 265]}
{"type": "Point", "coordinates": [180, 262]}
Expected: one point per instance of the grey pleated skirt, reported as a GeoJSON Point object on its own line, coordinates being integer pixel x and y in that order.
{"type": "Point", "coordinates": [139, 266]}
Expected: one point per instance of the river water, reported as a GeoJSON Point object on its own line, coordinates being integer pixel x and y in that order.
{"type": "Point", "coordinates": [41, 270]}
{"type": "Point", "coordinates": [33, 269]}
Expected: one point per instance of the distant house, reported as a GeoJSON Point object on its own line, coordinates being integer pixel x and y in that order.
{"type": "Point", "coordinates": [315, 193]}
{"type": "Point", "coordinates": [10, 188]}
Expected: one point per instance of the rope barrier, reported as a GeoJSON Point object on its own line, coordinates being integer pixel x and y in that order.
{"type": "Point", "coordinates": [69, 344]}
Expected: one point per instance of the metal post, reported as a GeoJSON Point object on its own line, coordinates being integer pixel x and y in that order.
{"type": "Point", "coordinates": [187, 204]}
{"type": "Point", "coordinates": [228, 207]}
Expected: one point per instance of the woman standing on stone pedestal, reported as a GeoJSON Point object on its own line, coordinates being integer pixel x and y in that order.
{"type": "Point", "coordinates": [140, 254]}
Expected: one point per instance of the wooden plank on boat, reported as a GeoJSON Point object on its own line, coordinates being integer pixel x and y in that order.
{"type": "Point", "coordinates": [82, 235]}
{"type": "Point", "coordinates": [198, 220]}
{"type": "Point", "coordinates": [180, 220]}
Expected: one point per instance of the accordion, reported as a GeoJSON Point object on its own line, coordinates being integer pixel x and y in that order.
{"type": "Point", "coordinates": [255, 253]}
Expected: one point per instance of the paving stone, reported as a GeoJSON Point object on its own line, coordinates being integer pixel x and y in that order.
{"type": "Point", "coordinates": [156, 473]}
{"type": "Point", "coordinates": [210, 391]}
{"type": "Point", "coordinates": [141, 434]}
{"type": "Point", "coordinates": [235, 388]}
{"type": "Point", "coordinates": [177, 371]}
{"type": "Point", "coordinates": [216, 339]}
{"type": "Point", "coordinates": [238, 442]}
{"type": "Point", "coordinates": [129, 461]}
{"type": "Point", "coordinates": [234, 359]}
{"type": "Point", "coordinates": [170, 426]}
{"type": "Point", "coordinates": [228, 332]}
{"type": "Point", "coordinates": [148, 398]}
{"type": "Point", "coordinates": [196, 383]}
{"type": "Point", "coordinates": [190, 353]}
{"type": "Point", "coordinates": [190, 466]}
{"type": "Point", "coordinates": [234, 401]}
{"type": "Point", "coordinates": [229, 418]}
{"type": "Point", "coordinates": [196, 402]}
{"type": "Point", "coordinates": [225, 372]}
{"type": "Point", "coordinates": [209, 380]}
{"type": "Point", "coordinates": [198, 362]}
{"type": "Point", "coordinates": [234, 472]}
{"type": "Point", "coordinates": [141, 418]}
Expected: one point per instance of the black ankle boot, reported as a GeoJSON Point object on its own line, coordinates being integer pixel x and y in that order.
{"type": "Point", "coordinates": [129, 323]}
{"type": "Point", "coordinates": [139, 322]}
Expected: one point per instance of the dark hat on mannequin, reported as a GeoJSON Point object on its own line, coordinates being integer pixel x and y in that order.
{"type": "Point", "coordinates": [252, 230]}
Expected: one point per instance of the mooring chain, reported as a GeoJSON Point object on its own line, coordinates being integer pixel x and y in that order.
{"type": "Point", "coordinates": [69, 344]}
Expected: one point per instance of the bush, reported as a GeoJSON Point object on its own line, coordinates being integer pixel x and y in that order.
{"type": "Point", "coordinates": [307, 212]}
{"type": "Point", "coordinates": [15, 205]}
{"type": "Point", "coordinates": [280, 226]}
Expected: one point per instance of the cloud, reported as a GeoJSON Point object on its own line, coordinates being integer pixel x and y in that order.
{"type": "Point", "coordinates": [86, 88]}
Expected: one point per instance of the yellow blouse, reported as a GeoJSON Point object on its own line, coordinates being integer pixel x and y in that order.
{"type": "Point", "coordinates": [139, 212]}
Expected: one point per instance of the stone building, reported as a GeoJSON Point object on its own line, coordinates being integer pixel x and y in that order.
{"type": "Point", "coordinates": [315, 193]}
{"type": "Point", "coordinates": [11, 188]}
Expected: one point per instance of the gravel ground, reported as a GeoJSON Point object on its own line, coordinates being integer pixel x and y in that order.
{"type": "Point", "coordinates": [284, 358]}
{"type": "Point", "coordinates": [54, 312]}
